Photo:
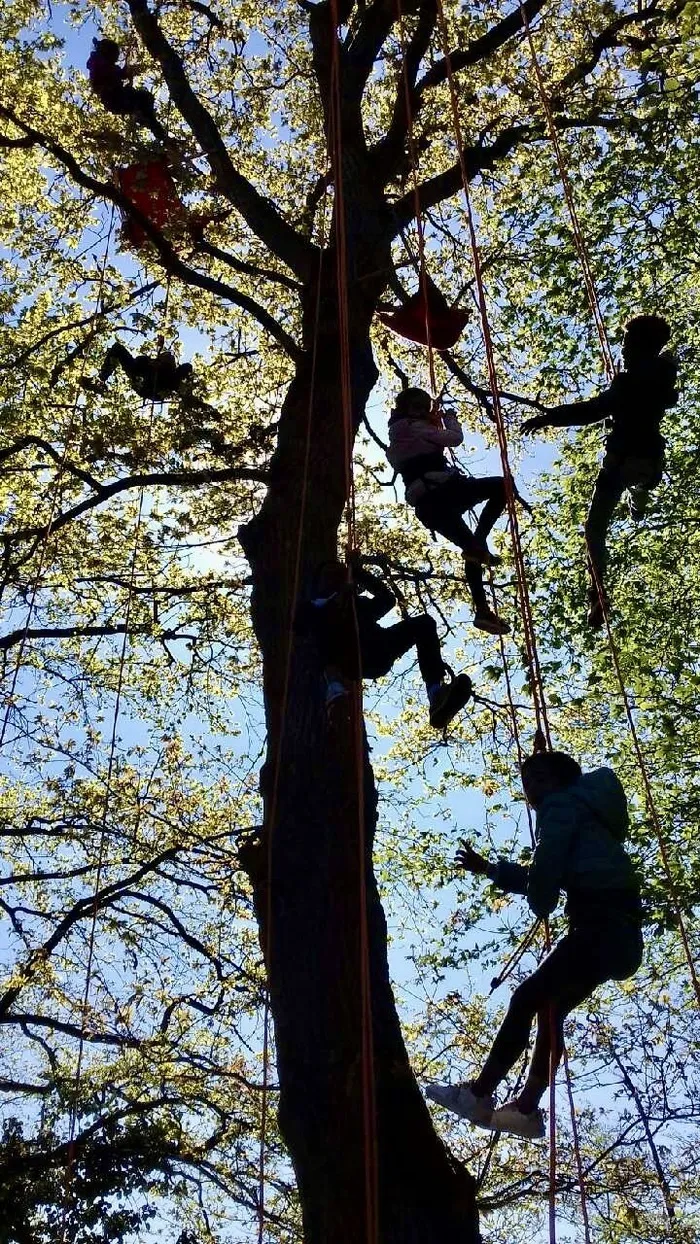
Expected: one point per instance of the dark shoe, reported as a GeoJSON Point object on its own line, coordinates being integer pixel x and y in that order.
{"type": "Point", "coordinates": [487, 620]}
{"type": "Point", "coordinates": [449, 700]}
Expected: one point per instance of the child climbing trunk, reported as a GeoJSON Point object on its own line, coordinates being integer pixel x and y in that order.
{"type": "Point", "coordinates": [343, 619]}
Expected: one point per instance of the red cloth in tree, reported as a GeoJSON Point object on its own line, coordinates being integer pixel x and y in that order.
{"type": "Point", "coordinates": [427, 311]}
{"type": "Point", "coordinates": [150, 187]}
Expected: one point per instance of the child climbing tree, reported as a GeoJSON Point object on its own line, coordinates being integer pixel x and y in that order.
{"type": "Point", "coordinates": [300, 120]}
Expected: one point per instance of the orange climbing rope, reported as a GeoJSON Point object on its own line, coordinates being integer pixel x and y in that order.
{"type": "Point", "coordinates": [420, 227]}
{"type": "Point", "coordinates": [595, 307]}
{"type": "Point", "coordinates": [272, 814]}
{"type": "Point", "coordinates": [577, 231]}
{"type": "Point", "coordinates": [532, 656]}
{"type": "Point", "coordinates": [367, 1043]}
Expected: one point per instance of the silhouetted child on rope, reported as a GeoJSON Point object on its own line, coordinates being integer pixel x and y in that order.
{"type": "Point", "coordinates": [112, 83]}
{"type": "Point", "coordinates": [419, 433]}
{"type": "Point", "coordinates": [581, 824]}
{"type": "Point", "coordinates": [343, 621]}
{"type": "Point", "coordinates": [155, 379]}
{"type": "Point", "coordinates": [634, 406]}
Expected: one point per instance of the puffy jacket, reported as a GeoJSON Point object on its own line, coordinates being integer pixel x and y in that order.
{"type": "Point", "coordinates": [579, 835]}
{"type": "Point", "coordinates": [411, 438]}
{"type": "Point", "coordinates": [415, 451]}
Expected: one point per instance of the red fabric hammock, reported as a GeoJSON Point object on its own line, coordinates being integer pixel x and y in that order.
{"type": "Point", "coordinates": [425, 310]}
{"type": "Point", "coordinates": [150, 187]}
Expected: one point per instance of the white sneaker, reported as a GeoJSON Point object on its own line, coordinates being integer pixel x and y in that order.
{"type": "Point", "coordinates": [460, 1099]}
{"type": "Point", "coordinates": [509, 1118]}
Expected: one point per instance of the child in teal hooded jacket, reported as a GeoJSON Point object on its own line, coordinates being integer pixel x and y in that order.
{"type": "Point", "coordinates": [581, 824]}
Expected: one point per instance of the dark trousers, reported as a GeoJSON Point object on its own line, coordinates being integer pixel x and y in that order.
{"type": "Point", "coordinates": [133, 101]}
{"type": "Point", "coordinates": [146, 376]}
{"type": "Point", "coordinates": [617, 474]}
{"type": "Point", "coordinates": [592, 952]}
{"type": "Point", "coordinates": [442, 510]}
{"type": "Point", "coordinates": [382, 646]}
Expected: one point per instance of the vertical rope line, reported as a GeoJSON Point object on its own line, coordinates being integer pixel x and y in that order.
{"type": "Point", "coordinates": [536, 682]}
{"type": "Point", "coordinates": [413, 160]}
{"type": "Point", "coordinates": [577, 231]}
{"type": "Point", "coordinates": [367, 1046]}
{"type": "Point", "coordinates": [73, 1116]}
{"type": "Point", "coordinates": [648, 791]}
{"type": "Point", "coordinates": [537, 687]}
{"type": "Point", "coordinates": [599, 319]}
{"type": "Point", "coordinates": [274, 798]}
{"type": "Point", "coordinates": [36, 582]}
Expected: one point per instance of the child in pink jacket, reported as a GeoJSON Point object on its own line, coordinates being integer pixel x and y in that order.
{"type": "Point", "coordinates": [439, 493]}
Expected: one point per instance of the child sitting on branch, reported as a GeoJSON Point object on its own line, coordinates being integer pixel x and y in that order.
{"type": "Point", "coordinates": [342, 617]}
{"type": "Point", "coordinates": [581, 824]}
{"type": "Point", "coordinates": [112, 84]}
{"type": "Point", "coordinates": [419, 433]}
{"type": "Point", "coordinates": [634, 405]}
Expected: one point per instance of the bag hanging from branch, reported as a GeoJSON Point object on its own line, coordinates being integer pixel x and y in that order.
{"type": "Point", "coordinates": [150, 187]}
{"type": "Point", "coordinates": [427, 318]}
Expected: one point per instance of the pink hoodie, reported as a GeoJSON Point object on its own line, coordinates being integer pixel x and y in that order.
{"type": "Point", "coordinates": [410, 438]}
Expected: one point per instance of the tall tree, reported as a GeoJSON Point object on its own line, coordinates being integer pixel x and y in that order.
{"type": "Point", "coordinates": [309, 122]}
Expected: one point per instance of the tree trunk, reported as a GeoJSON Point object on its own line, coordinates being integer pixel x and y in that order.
{"type": "Point", "coordinates": [354, 1122]}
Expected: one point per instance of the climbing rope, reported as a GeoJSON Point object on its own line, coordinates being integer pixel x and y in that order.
{"type": "Point", "coordinates": [367, 1044]}
{"type": "Point", "coordinates": [420, 226]}
{"type": "Point", "coordinates": [596, 311]}
{"type": "Point", "coordinates": [532, 656]}
{"type": "Point", "coordinates": [100, 864]}
{"type": "Point", "coordinates": [576, 229]}
{"type": "Point", "coordinates": [284, 704]}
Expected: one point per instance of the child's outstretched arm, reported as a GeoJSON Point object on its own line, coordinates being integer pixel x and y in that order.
{"type": "Point", "coordinates": [572, 414]}
{"type": "Point", "coordinates": [512, 878]}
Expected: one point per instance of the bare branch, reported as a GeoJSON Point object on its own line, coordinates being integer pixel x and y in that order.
{"type": "Point", "coordinates": [156, 479]}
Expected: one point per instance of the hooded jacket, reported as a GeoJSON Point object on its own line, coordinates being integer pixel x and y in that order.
{"type": "Point", "coordinates": [634, 405]}
{"type": "Point", "coordinates": [416, 451]}
{"type": "Point", "coordinates": [579, 834]}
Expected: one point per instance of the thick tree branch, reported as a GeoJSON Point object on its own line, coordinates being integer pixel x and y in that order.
{"type": "Point", "coordinates": [478, 159]}
{"type": "Point", "coordinates": [376, 25]}
{"type": "Point", "coordinates": [168, 255]}
{"type": "Point", "coordinates": [391, 148]}
{"type": "Point", "coordinates": [156, 479]}
{"type": "Point", "coordinates": [481, 48]}
{"type": "Point", "coordinates": [73, 632]}
{"type": "Point", "coordinates": [259, 213]}
{"type": "Point", "coordinates": [249, 269]}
